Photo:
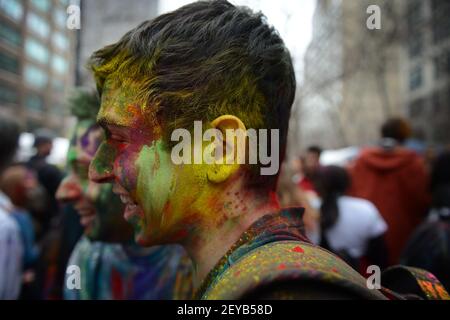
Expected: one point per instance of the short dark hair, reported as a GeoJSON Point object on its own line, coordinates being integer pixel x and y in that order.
{"type": "Point", "coordinates": [315, 149]}
{"type": "Point", "coordinates": [9, 140]}
{"type": "Point", "coordinates": [397, 129]}
{"type": "Point", "coordinates": [203, 60]}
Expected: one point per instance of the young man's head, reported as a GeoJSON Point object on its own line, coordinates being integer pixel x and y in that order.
{"type": "Point", "coordinates": [208, 61]}
{"type": "Point", "coordinates": [397, 129]}
{"type": "Point", "coordinates": [43, 142]}
{"type": "Point", "coordinates": [312, 160]}
{"type": "Point", "coordinates": [19, 182]}
{"type": "Point", "coordinates": [100, 210]}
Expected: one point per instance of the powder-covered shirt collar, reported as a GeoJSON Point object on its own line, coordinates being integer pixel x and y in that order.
{"type": "Point", "coordinates": [286, 224]}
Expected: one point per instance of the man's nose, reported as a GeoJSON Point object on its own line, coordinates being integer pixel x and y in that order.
{"type": "Point", "coordinates": [101, 167]}
{"type": "Point", "coordinates": [69, 190]}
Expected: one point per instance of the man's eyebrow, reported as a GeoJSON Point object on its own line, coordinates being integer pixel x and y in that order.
{"type": "Point", "coordinates": [103, 123]}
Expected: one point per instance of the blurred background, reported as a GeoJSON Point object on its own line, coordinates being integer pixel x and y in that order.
{"type": "Point", "coordinates": [350, 78]}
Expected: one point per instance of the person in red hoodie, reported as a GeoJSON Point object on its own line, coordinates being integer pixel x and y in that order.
{"type": "Point", "coordinates": [395, 180]}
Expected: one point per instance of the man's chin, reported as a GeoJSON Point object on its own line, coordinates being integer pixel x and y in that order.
{"type": "Point", "coordinates": [144, 241]}
{"type": "Point", "coordinates": [133, 213]}
{"type": "Point", "coordinates": [148, 240]}
{"type": "Point", "coordinates": [92, 234]}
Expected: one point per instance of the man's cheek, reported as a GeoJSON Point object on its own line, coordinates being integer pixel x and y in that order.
{"type": "Point", "coordinates": [126, 171]}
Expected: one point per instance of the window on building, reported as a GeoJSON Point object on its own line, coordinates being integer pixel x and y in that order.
{"type": "Point", "coordinates": [9, 63]}
{"type": "Point", "coordinates": [35, 76]}
{"type": "Point", "coordinates": [38, 25]}
{"type": "Point", "coordinates": [439, 133]}
{"type": "Point", "coordinates": [416, 108]}
{"type": "Point", "coordinates": [436, 103]}
{"type": "Point", "coordinates": [34, 102]}
{"type": "Point", "coordinates": [60, 17]}
{"type": "Point", "coordinates": [441, 65]}
{"type": "Point", "coordinates": [42, 5]}
{"type": "Point", "coordinates": [415, 45]}
{"type": "Point", "coordinates": [8, 94]}
{"type": "Point", "coordinates": [59, 64]}
{"type": "Point", "coordinates": [57, 85]}
{"type": "Point", "coordinates": [36, 50]}
{"type": "Point", "coordinates": [415, 23]}
{"type": "Point", "coordinates": [415, 78]}
{"type": "Point", "coordinates": [10, 34]}
{"type": "Point", "coordinates": [440, 12]}
{"type": "Point", "coordinates": [60, 41]}
{"type": "Point", "coordinates": [12, 8]}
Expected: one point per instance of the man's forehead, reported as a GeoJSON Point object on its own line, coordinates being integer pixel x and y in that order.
{"type": "Point", "coordinates": [120, 103]}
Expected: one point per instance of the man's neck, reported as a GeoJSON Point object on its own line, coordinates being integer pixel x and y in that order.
{"type": "Point", "coordinates": [211, 243]}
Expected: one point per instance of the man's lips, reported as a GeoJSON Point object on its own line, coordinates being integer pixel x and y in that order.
{"type": "Point", "coordinates": [131, 207]}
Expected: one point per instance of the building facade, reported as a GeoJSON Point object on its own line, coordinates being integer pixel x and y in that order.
{"type": "Point", "coordinates": [353, 75]}
{"type": "Point", "coordinates": [104, 22]}
{"type": "Point", "coordinates": [427, 58]}
{"type": "Point", "coordinates": [36, 62]}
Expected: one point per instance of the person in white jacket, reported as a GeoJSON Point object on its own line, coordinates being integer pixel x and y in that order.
{"type": "Point", "coordinates": [11, 247]}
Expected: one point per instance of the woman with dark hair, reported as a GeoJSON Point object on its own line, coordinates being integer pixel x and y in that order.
{"type": "Point", "coordinates": [351, 227]}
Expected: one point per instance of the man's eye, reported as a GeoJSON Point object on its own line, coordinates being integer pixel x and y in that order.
{"type": "Point", "coordinates": [119, 140]}
{"type": "Point", "coordinates": [115, 138]}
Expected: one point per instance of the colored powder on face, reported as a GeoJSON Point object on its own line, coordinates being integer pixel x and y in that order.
{"type": "Point", "coordinates": [154, 182]}
{"type": "Point", "coordinates": [104, 158]}
{"type": "Point", "coordinates": [91, 139]}
{"type": "Point", "coordinates": [71, 155]}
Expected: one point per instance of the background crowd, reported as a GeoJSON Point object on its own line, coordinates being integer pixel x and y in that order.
{"type": "Point", "coordinates": [387, 205]}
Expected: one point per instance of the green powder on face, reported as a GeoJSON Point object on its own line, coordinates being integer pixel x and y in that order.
{"type": "Point", "coordinates": [154, 182]}
{"type": "Point", "coordinates": [71, 155]}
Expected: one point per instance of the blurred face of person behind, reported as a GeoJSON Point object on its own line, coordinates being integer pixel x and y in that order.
{"type": "Point", "coordinates": [19, 184]}
{"type": "Point", "coordinates": [44, 148]}
{"type": "Point", "coordinates": [100, 210]}
{"type": "Point", "coordinates": [295, 165]}
{"type": "Point", "coordinates": [311, 162]}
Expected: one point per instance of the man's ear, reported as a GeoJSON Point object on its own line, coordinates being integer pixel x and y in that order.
{"type": "Point", "coordinates": [233, 143]}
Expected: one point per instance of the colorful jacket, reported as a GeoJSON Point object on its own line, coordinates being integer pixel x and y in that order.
{"type": "Point", "coordinates": [273, 259]}
{"type": "Point", "coordinates": [118, 272]}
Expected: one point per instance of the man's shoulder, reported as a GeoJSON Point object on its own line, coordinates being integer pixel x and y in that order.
{"type": "Point", "coordinates": [284, 267]}
{"type": "Point", "coordinates": [84, 250]}
{"type": "Point", "coordinates": [7, 223]}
